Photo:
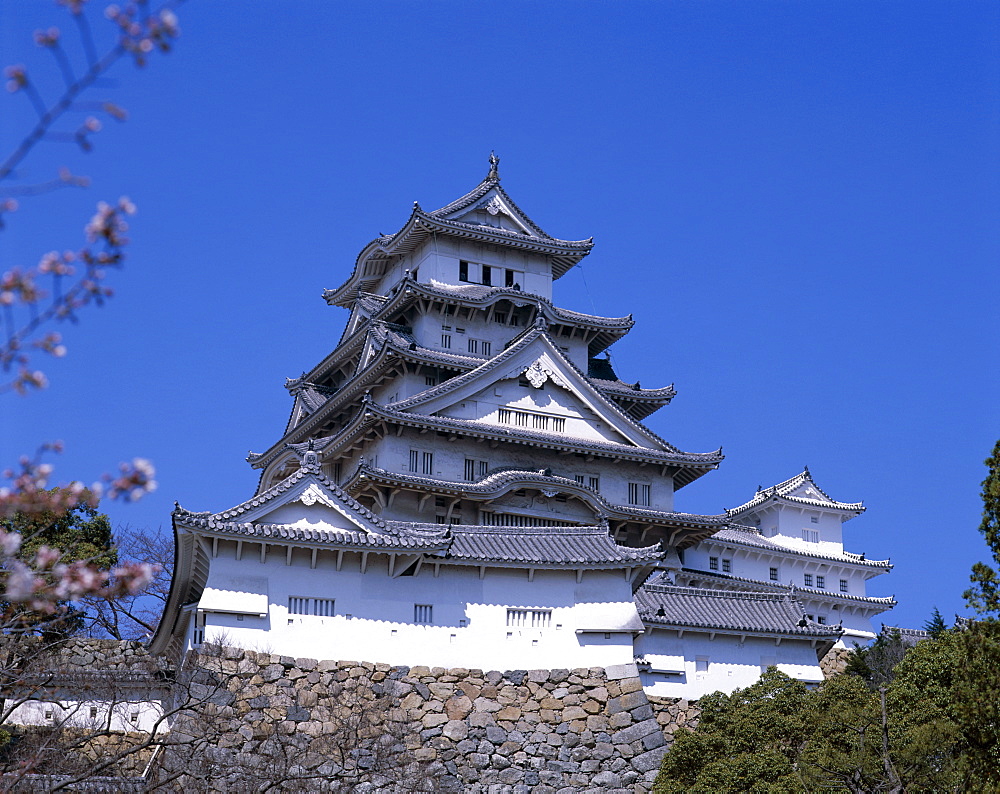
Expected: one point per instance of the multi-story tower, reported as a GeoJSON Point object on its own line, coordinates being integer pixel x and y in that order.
{"type": "Point", "coordinates": [790, 535]}
{"type": "Point", "coordinates": [465, 481]}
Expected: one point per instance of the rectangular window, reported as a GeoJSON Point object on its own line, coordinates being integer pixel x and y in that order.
{"type": "Point", "coordinates": [446, 341]}
{"type": "Point", "coordinates": [318, 607]}
{"type": "Point", "coordinates": [810, 536]}
{"type": "Point", "coordinates": [529, 618]}
{"type": "Point", "coordinates": [807, 579]}
{"type": "Point", "coordinates": [701, 664]}
{"type": "Point", "coordinates": [487, 275]}
{"type": "Point", "coordinates": [479, 347]}
{"type": "Point", "coordinates": [430, 380]}
{"type": "Point", "coordinates": [638, 494]}
{"type": "Point", "coordinates": [843, 585]}
{"type": "Point", "coordinates": [774, 574]}
{"type": "Point", "coordinates": [463, 271]}
{"type": "Point", "coordinates": [423, 614]}
{"type": "Point", "coordinates": [713, 563]}
{"type": "Point", "coordinates": [513, 278]}
{"type": "Point", "coordinates": [821, 582]}
{"type": "Point", "coordinates": [473, 345]}
{"type": "Point", "coordinates": [821, 620]}
{"type": "Point", "coordinates": [500, 317]}
{"type": "Point", "coordinates": [421, 462]}
{"type": "Point", "coordinates": [814, 519]}
{"type": "Point", "coordinates": [767, 661]}
{"type": "Point", "coordinates": [578, 478]}
{"type": "Point", "coordinates": [727, 566]}
{"type": "Point", "coordinates": [594, 483]}
{"type": "Point", "coordinates": [475, 469]}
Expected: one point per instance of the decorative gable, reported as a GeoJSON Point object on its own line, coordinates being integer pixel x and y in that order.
{"type": "Point", "coordinates": [532, 386]}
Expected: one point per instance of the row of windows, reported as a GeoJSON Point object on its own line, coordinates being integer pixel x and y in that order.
{"type": "Point", "coordinates": [490, 275]}
{"type": "Point", "coordinates": [592, 482]}
{"type": "Point", "coordinates": [713, 565]}
{"type": "Point", "coordinates": [508, 416]}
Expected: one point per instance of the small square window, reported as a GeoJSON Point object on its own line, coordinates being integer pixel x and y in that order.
{"type": "Point", "coordinates": [814, 519]}
{"type": "Point", "coordinates": [701, 664]}
{"type": "Point", "coordinates": [713, 563]}
{"type": "Point", "coordinates": [727, 566]}
{"type": "Point", "coordinates": [774, 574]}
{"type": "Point", "coordinates": [423, 614]}
{"type": "Point", "coordinates": [821, 620]}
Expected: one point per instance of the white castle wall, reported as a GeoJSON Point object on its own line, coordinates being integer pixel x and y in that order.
{"type": "Point", "coordinates": [697, 663]}
{"type": "Point", "coordinates": [374, 612]}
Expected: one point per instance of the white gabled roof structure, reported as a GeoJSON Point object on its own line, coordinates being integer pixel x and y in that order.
{"type": "Point", "coordinates": [800, 491]}
{"type": "Point", "coordinates": [466, 218]}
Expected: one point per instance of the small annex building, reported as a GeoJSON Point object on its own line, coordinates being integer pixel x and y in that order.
{"type": "Point", "coordinates": [464, 481]}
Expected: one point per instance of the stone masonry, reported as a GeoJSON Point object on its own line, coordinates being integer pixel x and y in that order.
{"type": "Point", "coordinates": [519, 731]}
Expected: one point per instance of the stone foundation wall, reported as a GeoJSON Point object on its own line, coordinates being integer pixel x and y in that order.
{"type": "Point", "coordinates": [325, 726]}
{"type": "Point", "coordinates": [834, 662]}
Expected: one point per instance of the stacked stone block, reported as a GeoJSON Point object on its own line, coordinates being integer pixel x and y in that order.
{"type": "Point", "coordinates": [520, 731]}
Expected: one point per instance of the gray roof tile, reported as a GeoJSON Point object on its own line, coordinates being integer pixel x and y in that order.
{"type": "Point", "coordinates": [766, 613]}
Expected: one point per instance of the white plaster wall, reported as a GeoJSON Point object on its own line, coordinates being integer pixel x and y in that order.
{"type": "Point", "coordinates": [374, 618]}
{"type": "Point", "coordinates": [138, 713]}
{"type": "Point", "coordinates": [393, 454]}
{"type": "Point", "coordinates": [437, 260]}
{"type": "Point", "coordinates": [732, 662]}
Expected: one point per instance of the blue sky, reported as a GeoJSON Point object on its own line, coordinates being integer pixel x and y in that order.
{"type": "Point", "coordinates": [797, 201]}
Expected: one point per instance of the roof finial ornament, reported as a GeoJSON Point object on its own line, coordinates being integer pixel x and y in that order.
{"type": "Point", "coordinates": [494, 167]}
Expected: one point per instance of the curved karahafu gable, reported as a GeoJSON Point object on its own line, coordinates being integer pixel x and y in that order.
{"type": "Point", "coordinates": [486, 214]}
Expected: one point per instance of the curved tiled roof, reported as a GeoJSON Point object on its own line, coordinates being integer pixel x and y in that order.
{"type": "Point", "coordinates": [763, 613]}
{"type": "Point", "coordinates": [420, 224]}
{"type": "Point", "coordinates": [741, 581]}
{"type": "Point", "coordinates": [307, 469]}
{"type": "Point", "coordinates": [553, 545]}
{"type": "Point", "coordinates": [503, 479]}
{"type": "Point", "coordinates": [784, 490]}
{"type": "Point", "coordinates": [551, 440]}
{"type": "Point", "coordinates": [396, 541]}
{"type": "Point", "coordinates": [748, 536]}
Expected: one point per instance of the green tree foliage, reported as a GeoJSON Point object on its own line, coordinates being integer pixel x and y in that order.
{"type": "Point", "coordinates": [935, 625]}
{"type": "Point", "coordinates": [875, 663]}
{"type": "Point", "coordinates": [984, 595]}
{"type": "Point", "coordinates": [81, 533]}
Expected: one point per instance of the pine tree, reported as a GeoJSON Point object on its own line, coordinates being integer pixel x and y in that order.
{"type": "Point", "coordinates": [984, 595]}
{"type": "Point", "coordinates": [935, 625]}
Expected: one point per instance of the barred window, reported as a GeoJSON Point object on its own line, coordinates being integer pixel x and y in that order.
{"type": "Point", "coordinates": [713, 563]}
{"type": "Point", "coordinates": [529, 618]}
{"type": "Point", "coordinates": [774, 574]}
{"type": "Point", "coordinates": [638, 494]}
{"type": "Point", "coordinates": [535, 421]}
{"type": "Point", "coordinates": [843, 585]}
{"type": "Point", "coordinates": [446, 341]}
{"type": "Point", "coordinates": [475, 468]}
{"type": "Point", "coordinates": [421, 462]}
{"type": "Point", "coordinates": [727, 566]}
{"type": "Point", "coordinates": [807, 579]}
{"type": "Point", "coordinates": [423, 614]}
{"type": "Point", "coordinates": [821, 582]}
{"type": "Point", "coordinates": [302, 605]}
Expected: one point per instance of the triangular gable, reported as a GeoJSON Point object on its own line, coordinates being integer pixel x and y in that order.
{"type": "Point", "coordinates": [307, 498]}
{"type": "Point", "coordinates": [546, 368]}
{"type": "Point", "coordinates": [494, 209]}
